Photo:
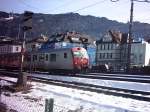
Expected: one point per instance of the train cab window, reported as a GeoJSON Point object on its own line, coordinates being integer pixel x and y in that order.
{"type": "Point", "coordinates": [34, 58]}
{"type": "Point", "coordinates": [52, 57]}
{"type": "Point", "coordinates": [77, 54]}
{"type": "Point", "coordinates": [46, 57]}
{"type": "Point", "coordinates": [65, 55]}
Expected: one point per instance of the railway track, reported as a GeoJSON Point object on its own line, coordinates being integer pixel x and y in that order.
{"type": "Point", "coordinates": [108, 77]}
{"type": "Point", "coordinates": [134, 94]}
{"type": "Point", "coordinates": [138, 95]}
{"type": "Point", "coordinates": [114, 77]}
{"type": "Point", "coordinates": [121, 75]}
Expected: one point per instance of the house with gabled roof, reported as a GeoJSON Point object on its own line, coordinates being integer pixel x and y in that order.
{"type": "Point", "coordinates": [112, 50]}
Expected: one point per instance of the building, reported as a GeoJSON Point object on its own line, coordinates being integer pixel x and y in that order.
{"type": "Point", "coordinates": [7, 47]}
{"type": "Point", "coordinates": [112, 50]}
{"type": "Point", "coordinates": [109, 50]}
{"type": "Point", "coordinates": [35, 44]}
{"type": "Point", "coordinates": [140, 55]}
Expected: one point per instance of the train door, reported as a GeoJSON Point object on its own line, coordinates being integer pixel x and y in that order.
{"type": "Point", "coordinates": [46, 62]}
{"type": "Point", "coordinates": [65, 59]}
{"type": "Point", "coordinates": [41, 64]}
{"type": "Point", "coordinates": [34, 61]}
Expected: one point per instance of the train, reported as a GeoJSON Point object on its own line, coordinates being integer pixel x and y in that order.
{"type": "Point", "coordinates": [63, 60]}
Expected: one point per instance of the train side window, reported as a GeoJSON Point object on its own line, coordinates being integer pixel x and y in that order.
{"type": "Point", "coordinates": [34, 58]}
{"type": "Point", "coordinates": [41, 57]}
{"type": "Point", "coordinates": [46, 57]}
{"type": "Point", "coordinates": [65, 55]}
{"type": "Point", "coordinates": [52, 57]}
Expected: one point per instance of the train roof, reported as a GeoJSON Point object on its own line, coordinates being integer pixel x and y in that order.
{"type": "Point", "coordinates": [53, 50]}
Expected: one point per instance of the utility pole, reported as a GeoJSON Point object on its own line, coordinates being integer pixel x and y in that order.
{"type": "Point", "coordinates": [130, 38]}
{"type": "Point", "coordinates": [128, 64]}
{"type": "Point", "coordinates": [130, 33]}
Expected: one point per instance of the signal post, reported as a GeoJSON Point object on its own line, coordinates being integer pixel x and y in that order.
{"type": "Point", "coordinates": [26, 26]}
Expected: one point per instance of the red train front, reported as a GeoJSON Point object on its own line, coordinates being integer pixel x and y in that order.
{"type": "Point", "coordinates": [80, 59]}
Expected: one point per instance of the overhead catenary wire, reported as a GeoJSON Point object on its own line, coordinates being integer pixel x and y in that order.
{"type": "Point", "coordinates": [65, 4]}
{"type": "Point", "coordinates": [141, 1]}
{"type": "Point", "coordinates": [114, 0]}
{"type": "Point", "coordinates": [91, 5]}
{"type": "Point", "coordinates": [148, 1]}
{"type": "Point", "coordinates": [54, 9]}
{"type": "Point", "coordinates": [27, 5]}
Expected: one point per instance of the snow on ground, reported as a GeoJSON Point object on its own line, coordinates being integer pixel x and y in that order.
{"type": "Point", "coordinates": [108, 83]}
{"type": "Point", "coordinates": [34, 100]}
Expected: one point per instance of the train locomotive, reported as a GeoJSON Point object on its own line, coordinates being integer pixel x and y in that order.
{"type": "Point", "coordinates": [64, 60]}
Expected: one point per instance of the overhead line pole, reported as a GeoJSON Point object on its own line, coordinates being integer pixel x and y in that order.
{"type": "Point", "coordinates": [131, 33]}
{"type": "Point", "coordinates": [130, 38]}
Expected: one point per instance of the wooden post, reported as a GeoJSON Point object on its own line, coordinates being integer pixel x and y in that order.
{"type": "Point", "coordinates": [49, 103]}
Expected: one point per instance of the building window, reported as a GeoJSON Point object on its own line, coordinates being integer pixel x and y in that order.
{"type": "Point", "coordinates": [101, 47]}
{"type": "Point", "coordinates": [103, 55]}
{"type": "Point", "coordinates": [104, 46]}
{"type": "Point", "coordinates": [98, 47]}
{"type": "Point", "coordinates": [100, 55]}
{"type": "Point", "coordinates": [140, 58]}
{"type": "Point", "coordinates": [111, 46]}
{"type": "Point", "coordinates": [52, 57]}
{"type": "Point", "coordinates": [108, 46]}
{"type": "Point", "coordinates": [65, 55]}
{"type": "Point", "coordinates": [111, 56]}
{"type": "Point", "coordinates": [107, 55]}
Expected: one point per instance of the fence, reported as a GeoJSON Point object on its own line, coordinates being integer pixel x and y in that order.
{"type": "Point", "coordinates": [10, 105]}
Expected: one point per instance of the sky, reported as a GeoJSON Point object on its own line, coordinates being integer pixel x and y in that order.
{"type": "Point", "coordinates": [119, 11]}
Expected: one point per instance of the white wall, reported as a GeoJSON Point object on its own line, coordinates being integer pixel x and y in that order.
{"type": "Point", "coordinates": [140, 54]}
{"type": "Point", "coordinates": [16, 48]}
{"type": "Point", "coordinates": [10, 49]}
{"type": "Point", "coordinates": [147, 58]}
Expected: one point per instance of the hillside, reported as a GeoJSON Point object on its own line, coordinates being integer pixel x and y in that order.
{"type": "Point", "coordinates": [49, 24]}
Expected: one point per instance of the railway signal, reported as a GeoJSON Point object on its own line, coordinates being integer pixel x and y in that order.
{"type": "Point", "coordinates": [26, 26]}
{"type": "Point", "coordinates": [27, 21]}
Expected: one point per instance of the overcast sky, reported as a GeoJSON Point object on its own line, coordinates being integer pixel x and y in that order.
{"type": "Point", "coordinates": [119, 11]}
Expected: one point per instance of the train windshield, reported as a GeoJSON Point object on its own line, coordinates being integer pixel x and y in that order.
{"type": "Point", "coordinates": [77, 54]}
{"type": "Point", "coordinates": [80, 54]}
